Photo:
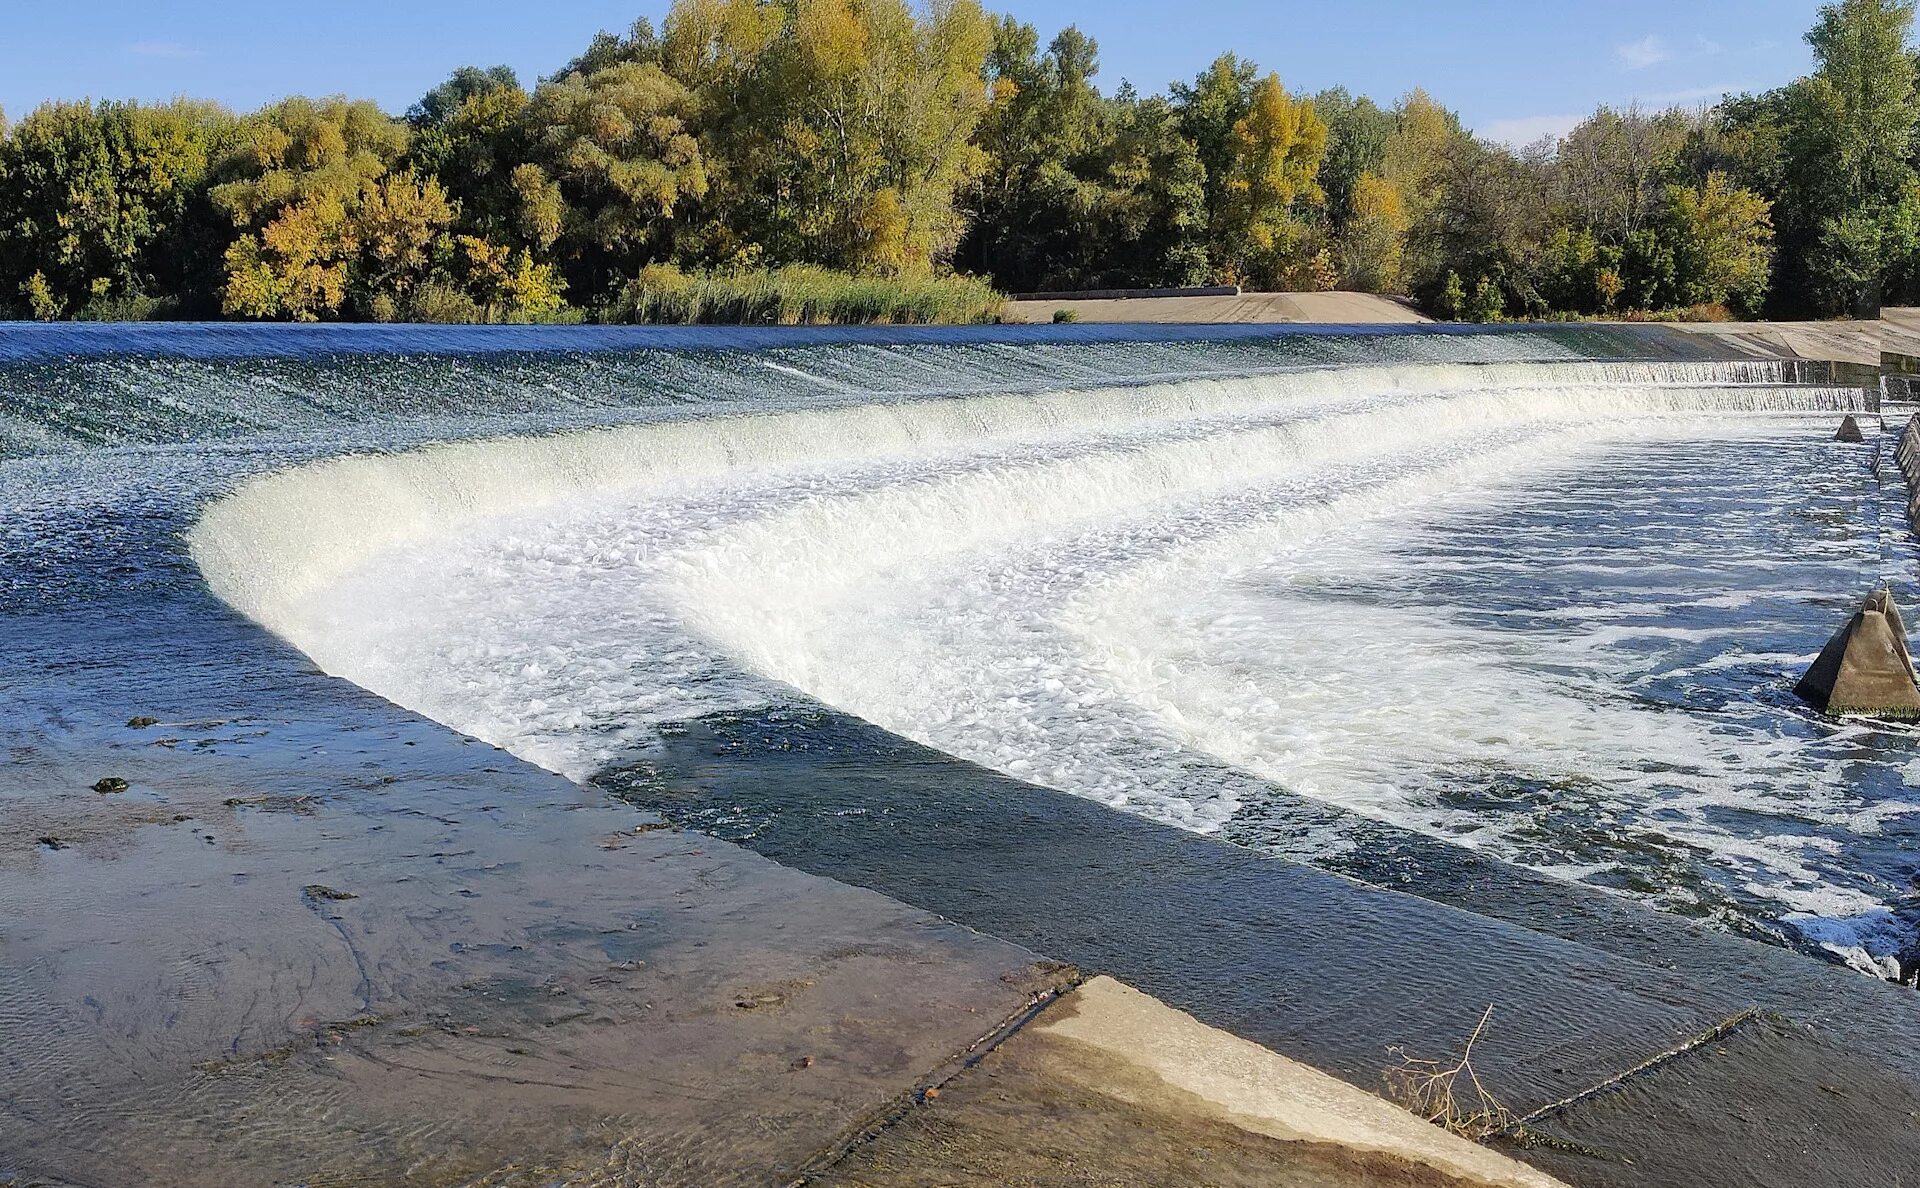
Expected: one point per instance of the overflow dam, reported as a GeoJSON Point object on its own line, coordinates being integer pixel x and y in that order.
{"type": "Point", "coordinates": [494, 691]}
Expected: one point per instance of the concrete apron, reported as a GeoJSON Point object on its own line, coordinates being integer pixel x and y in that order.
{"type": "Point", "coordinates": [1109, 1085]}
{"type": "Point", "coordinates": [621, 1008]}
{"type": "Point", "coordinates": [320, 940]}
{"type": "Point", "coordinates": [1606, 1017]}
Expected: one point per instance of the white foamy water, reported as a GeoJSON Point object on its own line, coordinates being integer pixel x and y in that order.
{"type": "Point", "coordinates": [1187, 600]}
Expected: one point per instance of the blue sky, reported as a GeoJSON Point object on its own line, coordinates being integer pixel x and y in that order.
{"type": "Point", "coordinates": [1513, 70]}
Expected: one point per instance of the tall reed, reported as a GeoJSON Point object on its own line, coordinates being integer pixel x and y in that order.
{"type": "Point", "coordinates": [800, 295]}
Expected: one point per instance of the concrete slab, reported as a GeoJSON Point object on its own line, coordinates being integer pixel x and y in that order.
{"type": "Point", "coordinates": [1900, 332]}
{"type": "Point", "coordinates": [1109, 1086]}
{"type": "Point", "coordinates": [291, 953]}
{"type": "Point", "coordinates": [1838, 342]}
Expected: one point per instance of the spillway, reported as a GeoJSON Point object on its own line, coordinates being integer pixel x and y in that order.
{"type": "Point", "coordinates": [1541, 608]}
{"type": "Point", "coordinates": [503, 753]}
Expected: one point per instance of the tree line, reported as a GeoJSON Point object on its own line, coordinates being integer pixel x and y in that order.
{"type": "Point", "coordinates": [819, 147]}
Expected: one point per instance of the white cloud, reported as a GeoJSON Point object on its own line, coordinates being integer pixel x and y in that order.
{"type": "Point", "coordinates": [1525, 130]}
{"type": "Point", "coordinates": [1638, 55]}
{"type": "Point", "coordinates": [162, 49]}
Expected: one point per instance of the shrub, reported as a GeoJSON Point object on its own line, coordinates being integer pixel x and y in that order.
{"type": "Point", "coordinates": [1450, 304]}
{"type": "Point", "coordinates": [1061, 316]}
{"type": "Point", "coordinates": [1488, 303]}
{"type": "Point", "coordinates": [445, 304]}
{"type": "Point", "coordinates": [134, 308]}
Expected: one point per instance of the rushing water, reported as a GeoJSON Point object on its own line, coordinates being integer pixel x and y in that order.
{"type": "Point", "coordinates": [1304, 591]}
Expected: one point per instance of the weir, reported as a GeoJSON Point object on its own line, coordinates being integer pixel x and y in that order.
{"type": "Point", "coordinates": [983, 625]}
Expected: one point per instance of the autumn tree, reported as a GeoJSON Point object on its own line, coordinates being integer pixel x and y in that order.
{"type": "Point", "coordinates": [1276, 151]}
{"type": "Point", "coordinates": [470, 134]}
{"type": "Point", "coordinates": [880, 113]}
{"type": "Point", "coordinates": [1722, 236]}
{"type": "Point", "coordinates": [1422, 143]}
{"type": "Point", "coordinates": [1372, 238]}
{"type": "Point", "coordinates": [614, 160]}
{"type": "Point", "coordinates": [294, 188]}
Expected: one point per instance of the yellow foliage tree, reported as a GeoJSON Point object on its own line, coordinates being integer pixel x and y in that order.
{"type": "Point", "coordinates": [1373, 244]}
{"type": "Point", "coordinates": [296, 267]}
{"type": "Point", "coordinates": [847, 124]}
{"type": "Point", "coordinates": [508, 283]}
{"type": "Point", "coordinates": [1415, 163]}
{"type": "Point", "coordinates": [295, 185]}
{"type": "Point", "coordinates": [615, 158]}
{"type": "Point", "coordinates": [1277, 149]}
{"type": "Point", "coordinates": [400, 223]}
{"type": "Point", "coordinates": [1724, 237]}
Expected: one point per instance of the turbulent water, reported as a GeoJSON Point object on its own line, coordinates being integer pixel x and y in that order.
{"type": "Point", "coordinates": [1299, 593]}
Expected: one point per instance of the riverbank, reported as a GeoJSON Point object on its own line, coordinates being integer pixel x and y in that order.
{"type": "Point", "coordinates": [1837, 341]}
{"type": "Point", "coordinates": [1262, 308]}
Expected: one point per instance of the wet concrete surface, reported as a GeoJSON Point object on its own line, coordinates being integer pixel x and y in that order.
{"type": "Point", "coordinates": [1041, 1112]}
{"type": "Point", "coordinates": [1772, 1103]}
{"type": "Point", "coordinates": [1320, 968]}
{"type": "Point", "coordinates": [319, 940]}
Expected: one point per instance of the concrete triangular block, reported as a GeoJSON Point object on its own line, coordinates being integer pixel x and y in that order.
{"type": "Point", "coordinates": [1865, 668]}
{"type": "Point", "coordinates": [1849, 430]}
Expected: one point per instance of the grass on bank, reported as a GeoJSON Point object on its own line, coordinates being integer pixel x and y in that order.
{"type": "Point", "coordinates": [800, 295]}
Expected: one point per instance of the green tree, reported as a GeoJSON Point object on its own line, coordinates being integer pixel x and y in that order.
{"type": "Point", "coordinates": [1154, 213]}
{"type": "Point", "coordinates": [439, 105]}
{"type": "Point", "coordinates": [503, 284]}
{"type": "Point", "coordinates": [1846, 158]}
{"type": "Point", "coordinates": [470, 134]}
{"type": "Point", "coordinates": [640, 44]}
{"type": "Point", "coordinates": [106, 202]}
{"type": "Point", "coordinates": [1450, 303]}
{"type": "Point", "coordinates": [1576, 273]}
{"type": "Point", "coordinates": [1357, 134]}
{"type": "Point", "coordinates": [1081, 191]}
{"type": "Point", "coordinates": [1488, 304]}
{"type": "Point", "coordinates": [1900, 249]}
{"type": "Point", "coordinates": [1210, 108]}
{"type": "Point", "coordinates": [42, 305]}
{"type": "Point", "coordinates": [1861, 97]}
{"type": "Point", "coordinates": [1611, 171]}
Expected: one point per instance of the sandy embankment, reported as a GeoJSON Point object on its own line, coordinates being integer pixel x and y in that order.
{"type": "Point", "coordinates": [1841, 341]}
{"type": "Point", "coordinates": [1331, 308]}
